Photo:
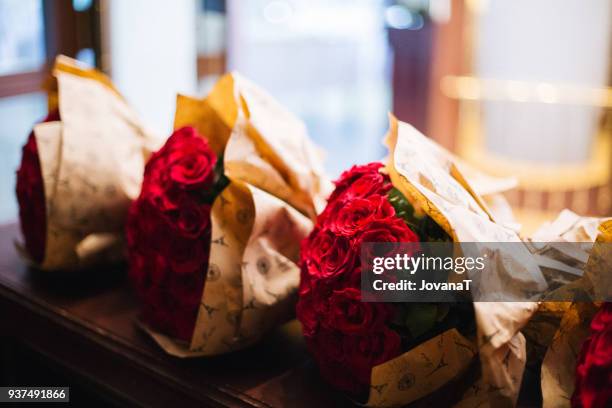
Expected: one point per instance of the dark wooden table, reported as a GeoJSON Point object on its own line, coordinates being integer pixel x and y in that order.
{"type": "Point", "coordinates": [80, 331]}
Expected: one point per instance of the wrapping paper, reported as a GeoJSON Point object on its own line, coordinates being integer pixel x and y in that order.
{"type": "Point", "coordinates": [442, 187]}
{"type": "Point", "coordinates": [559, 364]}
{"type": "Point", "coordinates": [422, 370]}
{"type": "Point", "coordinates": [568, 227]}
{"type": "Point", "coordinates": [92, 164]}
{"type": "Point", "coordinates": [558, 329]}
{"type": "Point", "coordinates": [277, 186]}
{"type": "Point", "coordinates": [568, 267]}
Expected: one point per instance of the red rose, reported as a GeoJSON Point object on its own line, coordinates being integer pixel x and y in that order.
{"type": "Point", "coordinates": [370, 350]}
{"type": "Point", "coordinates": [348, 218]}
{"type": "Point", "coordinates": [160, 193]}
{"type": "Point", "coordinates": [156, 183]}
{"type": "Point", "coordinates": [148, 226]}
{"type": "Point", "coordinates": [161, 312]}
{"type": "Point", "coordinates": [311, 304]}
{"type": "Point", "coordinates": [594, 367]}
{"type": "Point", "coordinates": [346, 336]}
{"type": "Point", "coordinates": [329, 255]}
{"type": "Point", "coordinates": [348, 314]}
{"type": "Point", "coordinates": [192, 219]}
{"type": "Point", "coordinates": [184, 163]}
{"type": "Point", "coordinates": [307, 309]}
{"type": "Point", "coordinates": [390, 230]}
{"type": "Point", "coordinates": [361, 181]}
{"type": "Point", "coordinates": [191, 163]}
{"type": "Point", "coordinates": [358, 182]}
{"type": "Point", "coordinates": [147, 271]}
{"type": "Point", "coordinates": [394, 232]}
{"type": "Point", "coordinates": [187, 256]}
{"type": "Point", "coordinates": [168, 233]}
{"type": "Point", "coordinates": [31, 197]}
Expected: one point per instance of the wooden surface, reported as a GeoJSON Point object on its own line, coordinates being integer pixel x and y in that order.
{"type": "Point", "coordinates": [80, 331]}
{"type": "Point", "coordinates": [85, 325]}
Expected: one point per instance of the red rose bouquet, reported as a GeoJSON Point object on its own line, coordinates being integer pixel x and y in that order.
{"type": "Point", "coordinates": [214, 236]}
{"type": "Point", "coordinates": [168, 231]}
{"type": "Point", "coordinates": [594, 367]}
{"type": "Point", "coordinates": [390, 354]}
{"type": "Point", "coordinates": [349, 337]}
{"type": "Point", "coordinates": [79, 171]}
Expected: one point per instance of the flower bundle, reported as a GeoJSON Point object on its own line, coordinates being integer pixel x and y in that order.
{"type": "Point", "coordinates": [168, 231]}
{"type": "Point", "coordinates": [80, 170]}
{"type": "Point", "coordinates": [390, 354]}
{"type": "Point", "coordinates": [349, 337]}
{"type": "Point", "coordinates": [214, 236]}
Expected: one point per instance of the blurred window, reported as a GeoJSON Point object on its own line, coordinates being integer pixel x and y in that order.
{"type": "Point", "coordinates": [22, 45]}
{"type": "Point", "coordinates": [22, 60]}
{"type": "Point", "coordinates": [536, 100]}
{"type": "Point", "coordinates": [17, 113]}
{"type": "Point", "coordinates": [543, 63]}
{"type": "Point", "coordinates": [210, 41]}
{"type": "Point", "coordinates": [327, 61]}
{"type": "Point", "coordinates": [32, 32]}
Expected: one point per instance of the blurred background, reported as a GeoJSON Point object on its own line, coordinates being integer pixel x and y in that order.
{"type": "Point", "coordinates": [516, 88]}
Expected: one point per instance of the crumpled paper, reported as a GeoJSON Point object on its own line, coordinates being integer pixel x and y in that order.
{"type": "Point", "coordinates": [563, 248]}
{"type": "Point", "coordinates": [558, 329]}
{"type": "Point", "coordinates": [559, 364]}
{"type": "Point", "coordinates": [434, 181]}
{"type": "Point", "coordinates": [92, 163]}
{"type": "Point", "coordinates": [277, 186]}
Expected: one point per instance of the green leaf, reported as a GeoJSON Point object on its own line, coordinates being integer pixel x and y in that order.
{"type": "Point", "coordinates": [420, 318]}
{"type": "Point", "coordinates": [221, 181]}
{"type": "Point", "coordinates": [425, 227]}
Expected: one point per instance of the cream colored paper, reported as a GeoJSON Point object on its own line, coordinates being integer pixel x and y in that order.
{"type": "Point", "coordinates": [483, 392]}
{"type": "Point", "coordinates": [554, 330]}
{"type": "Point", "coordinates": [432, 179]}
{"type": "Point", "coordinates": [420, 371]}
{"type": "Point", "coordinates": [568, 227]}
{"type": "Point", "coordinates": [559, 363]}
{"type": "Point", "coordinates": [490, 189]}
{"type": "Point", "coordinates": [277, 187]}
{"type": "Point", "coordinates": [92, 163]}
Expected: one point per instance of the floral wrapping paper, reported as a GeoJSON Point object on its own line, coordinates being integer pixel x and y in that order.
{"type": "Point", "coordinates": [277, 186]}
{"type": "Point", "coordinates": [92, 162]}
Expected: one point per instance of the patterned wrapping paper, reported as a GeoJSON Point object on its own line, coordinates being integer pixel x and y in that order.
{"type": "Point", "coordinates": [436, 183]}
{"type": "Point", "coordinates": [557, 329]}
{"type": "Point", "coordinates": [421, 371]}
{"type": "Point", "coordinates": [277, 186]}
{"type": "Point", "coordinates": [92, 164]}
{"type": "Point", "coordinates": [559, 364]}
